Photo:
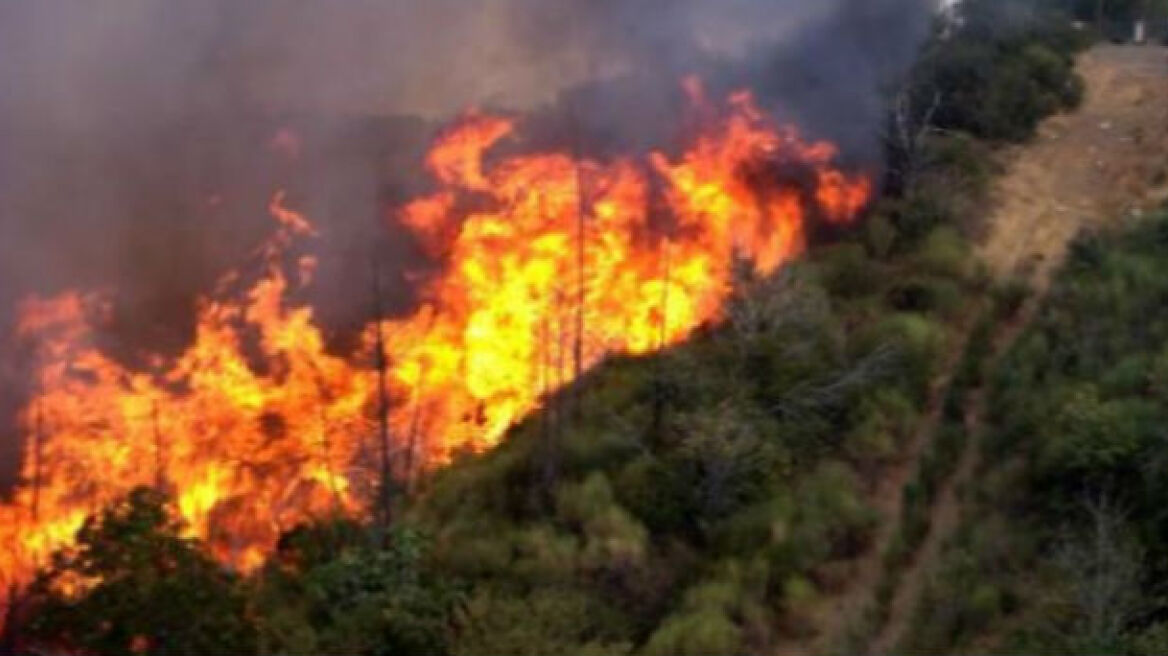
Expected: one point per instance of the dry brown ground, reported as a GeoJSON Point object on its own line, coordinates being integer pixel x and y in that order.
{"type": "Point", "coordinates": [1106, 161]}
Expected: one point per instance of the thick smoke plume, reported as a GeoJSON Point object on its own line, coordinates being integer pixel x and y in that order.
{"type": "Point", "coordinates": [141, 139]}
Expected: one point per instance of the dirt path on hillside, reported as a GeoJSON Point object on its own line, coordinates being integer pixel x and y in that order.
{"type": "Point", "coordinates": [945, 515]}
{"type": "Point", "coordinates": [1105, 163]}
{"type": "Point", "coordinates": [834, 615]}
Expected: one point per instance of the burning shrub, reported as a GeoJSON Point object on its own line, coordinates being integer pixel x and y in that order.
{"type": "Point", "coordinates": [133, 584]}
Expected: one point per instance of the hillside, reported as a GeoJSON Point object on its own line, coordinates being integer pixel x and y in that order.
{"type": "Point", "coordinates": [1098, 168]}
{"type": "Point", "coordinates": [1088, 169]}
{"type": "Point", "coordinates": [939, 431]}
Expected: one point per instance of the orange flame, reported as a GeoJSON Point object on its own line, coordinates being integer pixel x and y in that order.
{"type": "Point", "coordinates": [255, 427]}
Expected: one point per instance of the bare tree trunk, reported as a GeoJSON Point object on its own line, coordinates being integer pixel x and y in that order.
{"type": "Point", "coordinates": [415, 427]}
{"type": "Point", "coordinates": [326, 453]}
{"type": "Point", "coordinates": [581, 237]}
{"type": "Point", "coordinates": [657, 416]}
{"type": "Point", "coordinates": [549, 462]}
{"type": "Point", "coordinates": [547, 422]}
{"type": "Point", "coordinates": [666, 255]}
{"type": "Point", "coordinates": [908, 132]}
{"type": "Point", "coordinates": [9, 621]}
{"type": "Point", "coordinates": [159, 458]}
{"type": "Point", "coordinates": [1104, 566]}
{"type": "Point", "coordinates": [384, 484]}
{"type": "Point", "coordinates": [37, 439]}
{"type": "Point", "coordinates": [581, 241]}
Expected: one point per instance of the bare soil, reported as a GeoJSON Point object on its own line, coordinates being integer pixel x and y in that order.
{"type": "Point", "coordinates": [1091, 168]}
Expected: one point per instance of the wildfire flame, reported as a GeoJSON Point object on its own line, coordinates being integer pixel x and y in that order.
{"type": "Point", "coordinates": [551, 262]}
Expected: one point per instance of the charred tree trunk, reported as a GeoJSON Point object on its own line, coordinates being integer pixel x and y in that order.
{"type": "Point", "coordinates": [385, 482]}
{"type": "Point", "coordinates": [657, 420]}
{"type": "Point", "coordinates": [326, 453]}
{"type": "Point", "coordinates": [581, 237]}
{"type": "Point", "coordinates": [415, 427]}
{"type": "Point", "coordinates": [159, 457]}
{"type": "Point", "coordinates": [667, 280]}
{"type": "Point", "coordinates": [37, 453]}
{"type": "Point", "coordinates": [9, 640]}
{"type": "Point", "coordinates": [547, 463]}
{"type": "Point", "coordinates": [581, 260]}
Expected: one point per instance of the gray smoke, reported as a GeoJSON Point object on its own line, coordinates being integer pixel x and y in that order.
{"type": "Point", "coordinates": [135, 135]}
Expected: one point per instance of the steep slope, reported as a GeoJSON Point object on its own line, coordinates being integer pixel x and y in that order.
{"type": "Point", "coordinates": [1106, 160]}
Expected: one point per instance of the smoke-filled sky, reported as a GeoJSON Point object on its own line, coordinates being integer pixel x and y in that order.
{"type": "Point", "coordinates": [135, 135]}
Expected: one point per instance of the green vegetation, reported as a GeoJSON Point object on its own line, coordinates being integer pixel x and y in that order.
{"type": "Point", "coordinates": [1064, 551]}
{"type": "Point", "coordinates": [708, 494]}
{"type": "Point", "coordinates": [704, 497]}
{"type": "Point", "coordinates": [987, 79]}
{"type": "Point", "coordinates": [1002, 70]}
{"type": "Point", "coordinates": [157, 592]}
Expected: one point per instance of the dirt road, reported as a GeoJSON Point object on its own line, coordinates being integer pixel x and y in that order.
{"type": "Point", "coordinates": [1106, 161]}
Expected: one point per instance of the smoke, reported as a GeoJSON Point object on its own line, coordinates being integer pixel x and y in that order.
{"type": "Point", "coordinates": [136, 138]}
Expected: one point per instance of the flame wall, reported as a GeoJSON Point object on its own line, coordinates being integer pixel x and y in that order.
{"type": "Point", "coordinates": [546, 258]}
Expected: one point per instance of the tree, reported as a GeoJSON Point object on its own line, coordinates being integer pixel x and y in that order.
{"type": "Point", "coordinates": [144, 589]}
{"type": "Point", "coordinates": [1104, 567]}
{"type": "Point", "coordinates": [385, 483]}
{"type": "Point", "coordinates": [910, 123]}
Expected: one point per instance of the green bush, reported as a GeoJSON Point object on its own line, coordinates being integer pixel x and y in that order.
{"type": "Point", "coordinates": [918, 343]}
{"type": "Point", "coordinates": [945, 253]}
{"type": "Point", "coordinates": [696, 633]}
{"type": "Point", "coordinates": [365, 600]}
{"type": "Point", "coordinates": [562, 620]}
{"type": "Point", "coordinates": [847, 271]}
{"type": "Point", "coordinates": [880, 236]}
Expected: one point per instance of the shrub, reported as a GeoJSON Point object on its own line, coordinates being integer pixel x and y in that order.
{"type": "Point", "coordinates": [944, 253]}
{"type": "Point", "coordinates": [847, 272]}
{"type": "Point", "coordinates": [149, 586]}
{"type": "Point", "coordinates": [561, 620]}
{"type": "Point", "coordinates": [366, 600]}
{"type": "Point", "coordinates": [927, 294]}
{"type": "Point", "coordinates": [696, 632]}
{"type": "Point", "coordinates": [880, 236]}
